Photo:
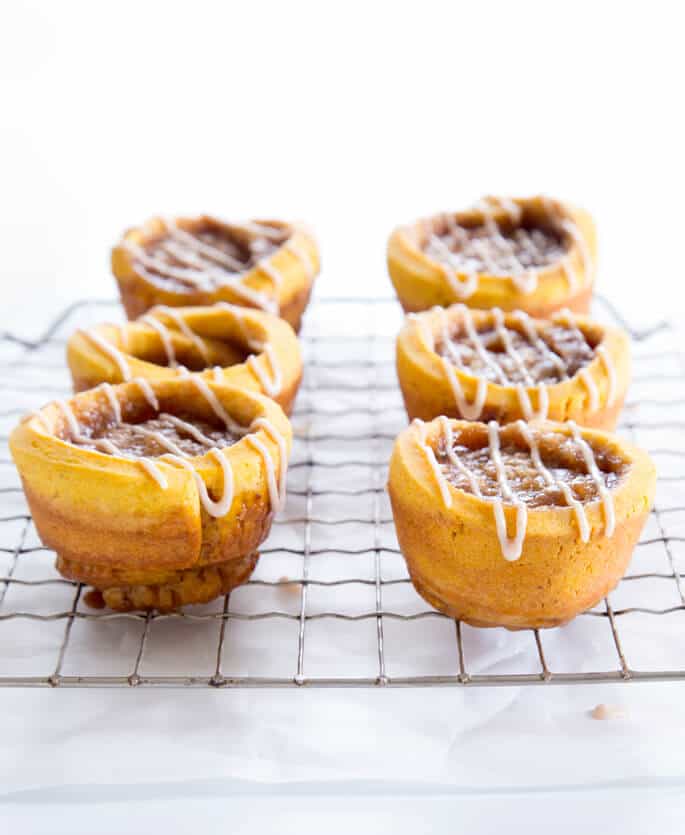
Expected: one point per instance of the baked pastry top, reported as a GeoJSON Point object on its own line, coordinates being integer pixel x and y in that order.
{"type": "Point", "coordinates": [516, 251]}
{"type": "Point", "coordinates": [527, 467]}
{"type": "Point", "coordinates": [483, 365]}
{"type": "Point", "coordinates": [224, 342]}
{"type": "Point", "coordinates": [142, 487]}
{"type": "Point", "coordinates": [541, 468]}
{"type": "Point", "coordinates": [524, 525]}
{"type": "Point", "coordinates": [179, 434]}
{"type": "Point", "coordinates": [206, 255]}
{"type": "Point", "coordinates": [534, 254]}
{"type": "Point", "coordinates": [268, 265]}
{"type": "Point", "coordinates": [518, 350]}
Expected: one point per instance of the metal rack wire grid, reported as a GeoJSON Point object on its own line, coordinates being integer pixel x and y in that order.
{"type": "Point", "coordinates": [330, 603]}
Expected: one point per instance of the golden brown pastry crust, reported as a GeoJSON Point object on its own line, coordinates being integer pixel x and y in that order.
{"type": "Point", "coordinates": [421, 282]}
{"type": "Point", "coordinates": [228, 333]}
{"type": "Point", "coordinates": [428, 393]}
{"type": "Point", "coordinates": [105, 513]}
{"type": "Point", "coordinates": [139, 293]}
{"type": "Point", "coordinates": [165, 591]}
{"type": "Point", "coordinates": [454, 557]}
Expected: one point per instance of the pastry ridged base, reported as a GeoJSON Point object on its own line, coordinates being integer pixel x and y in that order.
{"type": "Point", "coordinates": [176, 589]}
{"type": "Point", "coordinates": [473, 615]}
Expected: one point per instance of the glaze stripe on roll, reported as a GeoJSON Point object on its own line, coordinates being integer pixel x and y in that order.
{"type": "Point", "coordinates": [111, 351]}
{"type": "Point", "coordinates": [462, 277]}
{"type": "Point", "coordinates": [472, 337]}
{"type": "Point", "coordinates": [511, 547]}
{"type": "Point", "coordinates": [271, 383]}
{"type": "Point", "coordinates": [177, 456]}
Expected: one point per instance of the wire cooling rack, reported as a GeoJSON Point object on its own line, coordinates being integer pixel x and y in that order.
{"type": "Point", "coordinates": [330, 603]}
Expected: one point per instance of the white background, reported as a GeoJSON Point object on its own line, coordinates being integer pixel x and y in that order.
{"type": "Point", "coordinates": [353, 117]}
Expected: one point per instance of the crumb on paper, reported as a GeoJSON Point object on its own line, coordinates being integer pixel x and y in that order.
{"type": "Point", "coordinates": [603, 711]}
{"type": "Point", "coordinates": [289, 585]}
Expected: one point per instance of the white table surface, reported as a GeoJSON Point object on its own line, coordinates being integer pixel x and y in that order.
{"type": "Point", "coordinates": [355, 121]}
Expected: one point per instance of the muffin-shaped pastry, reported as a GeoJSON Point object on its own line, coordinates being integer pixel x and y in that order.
{"type": "Point", "coordinates": [223, 343]}
{"type": "Point", "coordinates": [156, 494]}
{"type": "Point", "coordinates": [270, 265]}
{"type": "Point", "coordinates": [490, 365]}
{"type": "Point", "coordinates": [533, 254]}
{"type": "Point", "coordinates": [522, 526]}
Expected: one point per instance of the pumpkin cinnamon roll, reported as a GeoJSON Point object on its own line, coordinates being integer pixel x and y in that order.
{"type": "Point", "coordinates": [157, 494]}
{"type": "Point", "coordinates": [485, 365]}
{"type": "Point", "coordinates": [270, 265]}
{"type": "Point", "coordinates": [522, 526]}
{"type": "Point", "coordinates": [533, 254]}
{"type": "Point", "coordinates": [223, 343]}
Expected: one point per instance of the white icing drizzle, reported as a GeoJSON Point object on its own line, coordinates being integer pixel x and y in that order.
{"type": "Point", "coordinates": [111, 351]}
{"type": "Point", "coordinates": [462, 288]}
{"type": "Point", "coordinates": [604, 355]}
{"type": "Point", "coordinates": [70, 418]}
{"type": "Point", "coordinates": [191, 430]}
{"type": "Point", "coordinates": [568, 320]}
{"type": "Point", "coordinates": [593, 471]}
{"type": "Point", "coordinates": [591, 386]}
{"type": "Point", "coordinates": [214, 508]}
{"type": "Point", "coordinates": [574, 233]}
{"type": "Point", "coordinates": [160, 438]}
{"type": "Point", "coordinates": [147, 392]}
{"type": "Point", "coordinates": [455, 460]}
{"type": "Point", "coordinates": [104, 444]}
{"type": "Point", "coordinates": [38, 415]}
{"type": "Point", "coordinates": [270, 472]}
{"type": "Point", "coordinates": [197, 278]}
{"type": "Point", "coordinates": [176, 455]}
{"type": "Point", "coordinates": [534, 338]}
{"type": "Point", "coordinates": [526, 282]}
{"type": "Point", "coordinates": [277, 494]}
{"type": "Point", "coordinates": [113, 400]}
{"type": "Point", "coordinates": [474, 338]}
{"type": "Point", "coordinates": [470, 411]}
{"type": "Point", "coordinates": [473, 411]}
{"type": "Point", "coordinates": [239, 316]}
{"type": "Point", "coordinates": [217, 374]}
{"type": "Point", "coordinates": [186, 275]}
{"type": "Point", "coordinates": [571, 500]}
{"type": "Point", "coordinates": [511, 548]}
{"type": "Point", "coordinates": [523, 396]}
{"type": "Point", "coordinates": [213, 401]}
{"type": "Point", "coordinates": [164, 335]}
{"type": "Point", "coordinates": [153, 470]}
{"type": "Point", "coordinates": [203, 248]}
{"type": "Point", "coordinates": [302, 256]}
{"type": "Point", "coordinates": [270, 270]}
{"type": "Point", "coordinates": [506, 204]}
{"type": "Point", "coordinates": [524, 279]}
{"type": "Point", "coordinates": [440, 480]}
{"type": "Point", "coordinates": [272, 385]}
{"type": "Point", "coordinates": [570, 273]}
{"type": "Point", "coordinates": [260, 230]}
{"type": "Point", "coordinates": [184, 328]}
